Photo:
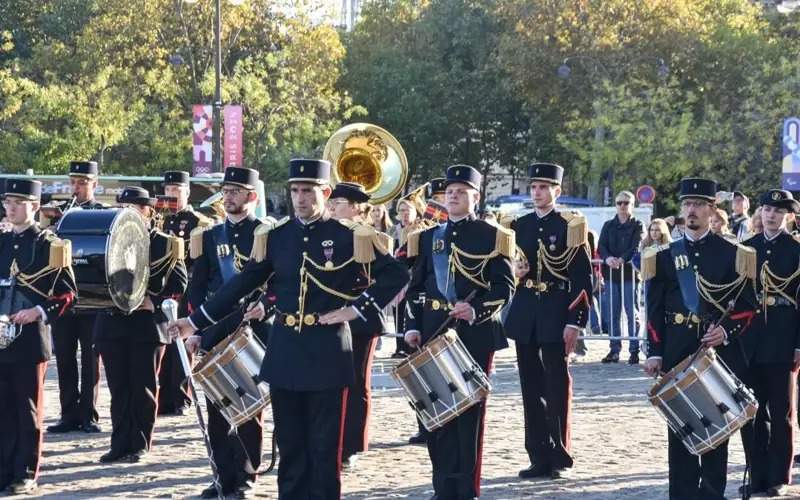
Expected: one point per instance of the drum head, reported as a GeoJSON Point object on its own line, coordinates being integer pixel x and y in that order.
{"type": "Point", "coordinates": [128, 260]}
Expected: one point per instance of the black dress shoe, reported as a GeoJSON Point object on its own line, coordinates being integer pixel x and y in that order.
{"type": "Point", "coordinates": [23, 487]}
{"type": "Point", "coordinates": [137, 456]}
{"type": "Point", "coordinates": [559, 474]}
{"type": "Point", "coordinates": [113, 456]}
{"type": "Point", "coordinates": [418, 438]}
{"type": "Point", "coordinates": [63, 426]}
{"type": "Point", "coordinates": [91, 428]}
{"type": "Point", "coordinates": [612, 357]}
{"type": "Point", "coordinates": [536, 470]}
{"type": "Point", "coordinates": [210, 492]}
{"type": "Point", "coordinates": [634, 359]}
{"type": "Point", "coordinates": [778, 490]}
{"type": "Point", "coordinates": [751, 490]}
{"type": "Point", "coordinates": [245, 490]}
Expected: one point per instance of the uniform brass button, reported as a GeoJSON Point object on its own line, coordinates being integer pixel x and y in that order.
{"type": "Point", "coordinates": [235, 235]}
{"type": "Point", "coordinates": [769, 252]}
{"type": "Point", "coordinates": [695, 267]}
{"type": "Point", "coordinates": [305, 238]}
{"type": "Point", "coordinates": [697, 254]}
{"type": "Point", "coordinates": [541, 229]}
{"type": "Point", "coordinates": [16, 246]}
{"type": "Point", "coordinates": [454, 233]}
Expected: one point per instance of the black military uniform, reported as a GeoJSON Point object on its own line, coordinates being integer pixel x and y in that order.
{"type": "Point", "coordinates": [709, 271]}
{"type": "Point", "coordinates": [78, 400]}
{"type": "Point", "coordinates": [173, 393]}
{"type": "Point", "coordinates": [132, 345]}
{"type": "Point", "coordinates": [554, 294]}
{"type": "Point", "coordinates": [365, 337]}
{"type": "Point", "coordinates": [219, 253]}
{"type": "Point", "coordinates": [451, 261]}
{"type": "Point", "coordinates": [35, 271]}
{"type": "Point", "coordinates": [314, 265]}
{"type": "Point", "coordinates": [772, 342]}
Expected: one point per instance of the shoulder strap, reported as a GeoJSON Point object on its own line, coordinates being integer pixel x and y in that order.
{"type": "Point", "coordinates": [686, 276]}
{"type": "Point", "coordinates": [224, 254]}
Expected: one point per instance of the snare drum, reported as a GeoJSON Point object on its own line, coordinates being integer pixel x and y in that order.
{"type": "Point", "coordinates": [228, 375]}
{"type": "Point", "coordinates": [110, 257]}
{"type": "Point", "coordinates": [442, 380]}
{"type": "Point", "coordinates": [703, 402]}
{"type": "Point", "coordinates": [8, 331]}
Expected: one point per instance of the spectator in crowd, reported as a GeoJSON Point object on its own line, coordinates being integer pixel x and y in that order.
{"type": "Point", "coordinates": [740, 219]}
{"type": "Point", "coordinates": [756, 225]}
{"type": "Point", "coordinates": [380, 220]}
{"type": "Point", "coordinates": [719, 224]}
{"type": "Point", "coordinates": [657, 234]}
{"type": "Point", "coordinates": [677, 226]}
{"type": "Point", "coordinates": [619, 241]}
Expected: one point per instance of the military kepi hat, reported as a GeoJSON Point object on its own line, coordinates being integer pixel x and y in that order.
{"type": "Point", "coordinates": [351, 191]}
{"type": "Point", "coordinates": [463, 174]}
{"type": "Point", "coordinates": [546, 172]}
{"type": "Point", "coordinates": [780, 198]}
{"type": "Point", "coordinates": [83, 169]}
{"type": "Point", "coordinates": [436, 186]}
{"type": "Point", "coordinates": [240, 176]}
{"type": "Point", "coordinates": [135, 195]}
{"type": "Point", "coordinates": [23, 188]}
{"type": "Point", "coordinates": [695, 187]}
{"type": "Point", "coordinates": [177, 177]}
{"type": "Point", "coordinates": [313, 171]}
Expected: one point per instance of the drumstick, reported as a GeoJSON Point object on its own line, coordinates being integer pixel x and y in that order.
{"type": "Point", "coordinates": [170, 309]}
{"type": "Point", "coordinates": [450, 319]}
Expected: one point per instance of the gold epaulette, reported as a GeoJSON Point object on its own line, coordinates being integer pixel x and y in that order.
{"type": "Point", "coordinates": [649, 255]}
{"type": "Point", "coordinates": [507, 220]}
{"type": "Point", "coordinates": [260, 234]}
{"type": "Point", "coordinates": [412, 243]}
{"type": "Point", "coordinates": [746, 261]}
{"type": "Point", "coordinates": [175, 247]}
{"type": "Point", "coordinates": [60, 253]}
{"type": "Point", "coordinates": [365, 240]}
{"type": "Point", "coordinates": [196, 241]}
{"type": "Point", "coordinates": [504, 242]}
{"type": "Point", "coordinates": [203, 220]}
{"type": "Point", "coordinates": [387, 242]}
{"type": "Point", "coordinates": [348, 223]}
{"type": "Point", "coordinates": [577, 228]}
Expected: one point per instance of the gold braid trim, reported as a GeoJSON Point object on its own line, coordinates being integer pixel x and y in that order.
{"type": "Point", "coordinates": [708, 290]}
{"type": "Point", "coordinates": [505, 242]}
{"type": "Point", "coordinates": [556, 264]}
{"type": "Point", "coordinates": [259, 252]}
{"type": "Point", "coordinates": [60, 253]}
{"type": "Point", "coordinates": [746, 261]}
{"type": "Point", "coordinates": [305, 276]}
{"type": "Point", "coordinates": [474, 273]}
{"type": "Point", "coordinates": [412, 247]}
{"type": "Point", "coordinates": [774, 284]}
{"type": "Point", "coordinates": [196, 241]}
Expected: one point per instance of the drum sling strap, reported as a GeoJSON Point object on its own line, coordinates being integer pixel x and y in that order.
{"type": "Point", "coordinates": [224, 252]}
{"type": "Point", "coordinates": [686, 276]}
{"type": "Point", "coordinates": [440, 255]}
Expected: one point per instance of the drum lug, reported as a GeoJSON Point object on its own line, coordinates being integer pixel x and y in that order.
{"type": "Point", "coordinates": [686, 430]}
{"type": "Point", "coordinates": [433, 396]}
{"type": "Point", "coordinates": [225, 402]}
{"type": "Point", "coordinates": [256, 379]}
{"type": "Point", "coordinates": [705, 421]}
{"type": "Point", "coordinates": [417, 406]}
{"type": "Point", "coordinates": [723, 408]}
{"type": "Point", "coordinates": [468, 375]}
{"type": "Point", "coordinates": [240, 391]}
{"type": "Point", "coordinates": [453, 387]}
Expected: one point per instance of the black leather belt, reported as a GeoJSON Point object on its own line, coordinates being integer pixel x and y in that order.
{"type": "Point", "coordinates": [292, 320]}
{"type": "Point", "coordinates": [683, 319]}
{"type": "Point", "coordinates": [544, 286]}
{"type": "Point", "coordinates": [438, 305]}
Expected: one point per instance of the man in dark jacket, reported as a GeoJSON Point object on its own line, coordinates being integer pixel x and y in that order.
{"type": "Point", "coordinates": [619, 241]}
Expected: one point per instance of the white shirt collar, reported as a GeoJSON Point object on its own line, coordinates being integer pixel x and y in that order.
{"type": "Point", "coordinates": [770, 238]}
{"type": "Point", "coordinates": [686, 235]}
{"type": "Point", "coordinates": [545, 214]}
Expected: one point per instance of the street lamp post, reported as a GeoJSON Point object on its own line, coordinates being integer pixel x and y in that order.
{"type": "Point", "coordinates": [217, 151]}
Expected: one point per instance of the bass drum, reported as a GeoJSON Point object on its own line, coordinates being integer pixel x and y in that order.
{"type": "Point", "coordinates": [110, 257]}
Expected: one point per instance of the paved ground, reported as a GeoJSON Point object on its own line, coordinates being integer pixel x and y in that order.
{"type": "Point", "coordinates": [618, 441]}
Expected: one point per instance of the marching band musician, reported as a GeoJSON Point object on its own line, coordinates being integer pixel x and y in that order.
{"type": "Point", "coordinates": [131, 344]}
{"type": "Point", "coordinates": [314, 262]}
{"type": "Point", "coordinates": [691, 285]}
{"type": "Point", "coordinates": [36, 287]}
{"type": "Point", "coordinates": [451, 261]}
{"type": "Point", "coordinates": [774, 344]}
{"type": "Point", "coordinates": [436, 189]}
{"type": "Point", "coordinates": [173, 394]}
{"type": "Point", "coordinates": [219, 253]}
{"type": "Point", "coordinates": [348, 200]}
{"type": "Point", "coordinates": [78, 402]}
{"type": "Point", "coordinates": [550, 306]}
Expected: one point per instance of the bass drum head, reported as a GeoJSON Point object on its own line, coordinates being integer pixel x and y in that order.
{"type": "Point", "coordinates": [128, 260]}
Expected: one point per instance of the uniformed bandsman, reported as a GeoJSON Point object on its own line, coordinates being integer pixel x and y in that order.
{"type": "Point", "coordinates": [219, 253]}
{"type": "Point", "coordinates": [132, 345]}
{"type": "Point", "coordinates": [173, 394]}
{"type": "Point", "coordinates": [36, 287]}
{"type": "Point", "coordinates": [690, 284]}
{"type": "Point", "coordinates": [78, 395]}
{"type": "Point", "coordinates": [550, 306]}
{"type": "Point", "coordinates": [773, 343]}
{"type": "Point", "coordinates": [314, 262]}
{"type": "Point", "coordinates": [347, 204]}
{"type": "Point", "coordinates": [451, 261]}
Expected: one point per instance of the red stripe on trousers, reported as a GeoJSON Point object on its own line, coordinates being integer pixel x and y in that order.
{"type": "Point", "coordinates": [481, 426]}
{"type": "Point", "coordinates": [368, 392]}
{"type": "Point", "coordinates": [342, 414]}
{"type": "Point", "coordinates": [160, 357]}
{"type": "Point", "coordinates": [42, 369]}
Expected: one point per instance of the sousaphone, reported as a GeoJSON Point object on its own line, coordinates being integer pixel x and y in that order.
{"type": "Point", "coordinates": [371, 156]}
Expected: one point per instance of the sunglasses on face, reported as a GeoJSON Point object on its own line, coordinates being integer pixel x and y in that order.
{"type": "Point", "coordinates": [623, 202]}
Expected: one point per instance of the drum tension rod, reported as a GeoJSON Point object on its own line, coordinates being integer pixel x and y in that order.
{"type": "Point", "coordinates": [686, 430]}
{"type": "Point", "coordinates": [468, 375]}
{"type": "Point", "coordinates": [226, 402]}
{"type": "Point", "coordinates": [419, 405]}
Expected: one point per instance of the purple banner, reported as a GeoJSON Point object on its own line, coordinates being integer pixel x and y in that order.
{"type": "Point", "coordinates": [202, 135]}
{"type": "Point", "coordinates": [233, 135]}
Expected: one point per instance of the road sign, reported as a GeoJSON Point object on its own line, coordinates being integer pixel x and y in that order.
{"type": "Point", "coordinates": [646, 194]}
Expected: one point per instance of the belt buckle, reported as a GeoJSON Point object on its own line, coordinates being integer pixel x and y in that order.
{"type": "Point", "coordinates": [695, 318]}
{"type": "Point", "coordinates": [309, 320]}
{"type": "Point", "coordinates": [679, 318]}
{"type": "Point", "coordinates": [290, 320]}
{"type": "Point", "coordinates": [436, 305]}
{"type": "Point", "coordinates": [771, 300]}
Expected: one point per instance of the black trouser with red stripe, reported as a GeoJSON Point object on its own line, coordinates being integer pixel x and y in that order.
{"type": "Point", "coordinates": [456, 451]}
{"type": "Point", "coordinates": [773, 434]}
{"type": "Point", "coordinates": [21, 416]}
{"type": "Point", "coordinates": [356, 421]}
{"type": "Point", "coordinates": [308, 428]}
{"type": "Point", "coordinates": [78, 396]}
{"type": "Point", "coordinates": [237, 457]}
{"type": "Point", "coordinates": [173, 391]}
{"type": "Point", "coordinates": [546, 399]}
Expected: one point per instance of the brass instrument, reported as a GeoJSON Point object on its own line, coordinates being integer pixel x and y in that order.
{"type": "Point", "coordinates": [214, 206]}
{"type": "Point", "coordinates": [371, 156]}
